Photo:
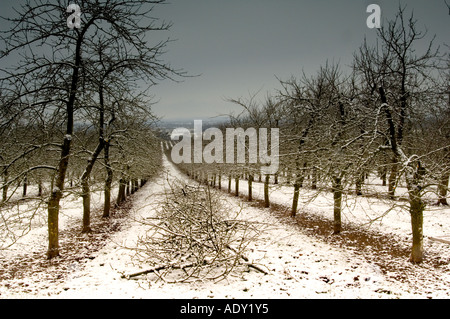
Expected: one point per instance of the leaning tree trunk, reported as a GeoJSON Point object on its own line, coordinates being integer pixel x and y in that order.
{"type": "Point", "coordinates": [85, 189]}
{"type": "Point", "coordinates": [58, 187]}
{"type": "Point", "coordinates": [337, 195]}
{"type": "Point", "coordinates": [55, 198]}
{"type": "Point", "coordinates": [393, 178]}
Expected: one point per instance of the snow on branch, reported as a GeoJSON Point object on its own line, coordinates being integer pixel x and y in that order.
{"type": "Point", "coordinates": [195, 237]}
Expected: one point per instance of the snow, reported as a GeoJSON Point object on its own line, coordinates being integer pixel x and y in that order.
{"type": "Point", "coordinates": [300, 265]}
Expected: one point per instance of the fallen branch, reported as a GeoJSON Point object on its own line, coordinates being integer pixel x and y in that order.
{"type": "Point", "coordinates": [247, 260]}
{"type": "Point", "coordinates": [196, 233]}
{"type": "Point", "coordinates": [186, 265]}
{"type": "Point", "coordinates": [157, 268]}
{"type": "Point", "coordinates": [258, 268]}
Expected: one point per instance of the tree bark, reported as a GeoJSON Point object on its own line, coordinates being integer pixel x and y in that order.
{"type": "Point", "coordinates": [383, 176]}
{"type": "Point", "coordinates": [55, 197]}
{"type": "Point", "coordinates": [314, 178]}
{"type": "Point", "coordinates": [5, 186]}
{"type": "Point", "coordinates": [108, 182]}
{"type": "Point", "coordinates": [393, 178]}
{"type": "Point", "coordinates": [127, 188]}
{"type": "Point", "coordinates": [58, 188]}
{"type": "Point", "coordinates": [416, 211]}
{"type": "Point", "coordinates": [295, 199]}
{"type": "Point", "coordinates": [359, 183]}
{"type": "Point", "coordinates": [337, 196]}
{"type": "Point", "coordinates": [85, 188]}
{"type": "Point", "coordinates": [443, 189]}
{"type": "Point", "coordinates": [266, 191]}
{"type": "Point", "coordinates": [25, 187]}
{"type": "Point", "coordinates": [220, 180]}
{"type": "Point", "coordinates": [40, 188]}
{"type": "Point", "coordinates": [250, 182]}
{"type": "Point", "coordinates": [121, 192]}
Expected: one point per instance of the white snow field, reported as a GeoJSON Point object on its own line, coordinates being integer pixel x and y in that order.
{"type": "Point", "coordinates": [299, 265]}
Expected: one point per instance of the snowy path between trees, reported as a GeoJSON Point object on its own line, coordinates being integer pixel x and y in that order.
{"type": "Point", "coordinates": [300, 265]}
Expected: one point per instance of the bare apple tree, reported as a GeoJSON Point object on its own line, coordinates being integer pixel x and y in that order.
{"type": "Point", "coordinates": [53, 69]}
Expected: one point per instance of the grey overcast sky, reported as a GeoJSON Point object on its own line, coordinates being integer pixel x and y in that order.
{"type": "Point", "coordinates": [239, 47]}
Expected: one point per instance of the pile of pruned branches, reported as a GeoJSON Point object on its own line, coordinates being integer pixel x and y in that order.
{"type": "Point", "coordinates": [194, 236]}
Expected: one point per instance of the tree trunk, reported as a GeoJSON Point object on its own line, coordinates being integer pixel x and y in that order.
{"type": "Point", "coordinates": [250, 182]}
{"type": "Point", "coordinates": [40, 188]}
{"type": "Point", "coordinates": [416, 210]}
{"type": "Point", "coordinates": [5, 186]}
{"type": "Point", "coordinates": [295, 199]}
{"type": "Point", "coordinates": [337, 195]}
{"type": "Point", "coordinates": [359, 183]}
{"type": "Point", "coordinates": [55, 198]}
{"type": "Point", "coordinates": [288, 176]}
{"type": "Point", "coordinates": [393, 178]}
{"type": "Point", "coordinates": [443, 189]}
{"type": "Point", "coordinates": [86, 195]}
{"type": "Point", "coordinates": [229, 183]}
{"type": "Point", "coordinates": [136, 185]}
{"type": "Point", "coordinates": [85, 189]}
{"type": "Point", "coordinates": [266, 191]}
{"type": "Point", "coordinates": [127, 188]}
{"type": "Point", "coordinates": [58, 188]}
{"type": "Point", "coordinates": [220, 180]}
{"type": "Point", "coordinates": [133, 186]}
{"type": "Point", "coordinates": [314, 178]}
{"type": "Point", "coordinates": [25, 186]}
{"type": "Point", "coordinates": [236, 180]}
{"type": "Point", "coordinates": [383, 176]}
{"type": "Point", "coordinates": [121, 194]}
{"type": "Point", "coordinates": [108, 182]}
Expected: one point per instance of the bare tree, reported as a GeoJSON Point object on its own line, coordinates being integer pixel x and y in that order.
{"type": "Point", "coordinates": [400, 77]}
{"type": "Point", "coordinates": [51, 71]}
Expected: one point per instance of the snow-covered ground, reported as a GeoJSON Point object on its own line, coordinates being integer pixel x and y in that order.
{"type": "Point", "coordinates": [299, 265]}
{"type": "Point", "coordinates": [383, 215]}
